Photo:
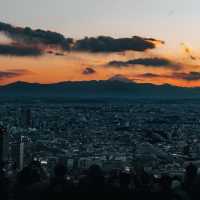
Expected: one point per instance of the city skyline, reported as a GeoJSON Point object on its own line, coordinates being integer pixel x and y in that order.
{"type": "Point", "coordinates": [99, 99]}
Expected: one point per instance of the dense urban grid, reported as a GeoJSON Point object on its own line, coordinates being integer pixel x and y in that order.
{"type": "Point", "coordinates": [145, 149]}
{"type": "Point", "coordinates": [160, 136]}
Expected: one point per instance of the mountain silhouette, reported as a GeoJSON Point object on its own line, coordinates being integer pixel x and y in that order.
{"type": "Point", "coordinates": [108, 89]}
{"type": "Point", "coordinates": [120, 78]}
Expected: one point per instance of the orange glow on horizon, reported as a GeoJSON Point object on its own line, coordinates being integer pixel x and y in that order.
{"type": "Point", "coordinates": [69, 67]}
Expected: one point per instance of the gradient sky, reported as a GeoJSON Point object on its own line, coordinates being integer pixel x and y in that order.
{"type": "Point", "coordinates": [174, 21]}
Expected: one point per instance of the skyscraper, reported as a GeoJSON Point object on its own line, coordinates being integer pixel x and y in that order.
{"type": "Point", "coordinates": [21, 152]}
{"type": "Point", "coordinates": [3, 144]}
{"type": "Point", "coordinates": [18, 152]}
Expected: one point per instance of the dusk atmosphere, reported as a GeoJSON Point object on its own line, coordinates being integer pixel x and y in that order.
{"type": "Point", "coordinates": [99, 99]}
{"type": "Point", "coordinates": [145, 41]}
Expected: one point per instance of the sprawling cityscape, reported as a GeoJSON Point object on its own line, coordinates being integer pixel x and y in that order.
{"type": "Point", "coordinates": [99, 100]}
{"type": "Point", "coordinates": [163, 137]}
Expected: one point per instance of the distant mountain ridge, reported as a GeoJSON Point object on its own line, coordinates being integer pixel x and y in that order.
{"type": "Point", "coordinates": [112, 88]}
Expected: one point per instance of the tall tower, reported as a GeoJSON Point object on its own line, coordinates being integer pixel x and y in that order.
{"type": "Point", "coordinates": [21, 153]}
{"type": "Point", "coordinates": [3, 144]}
{"type": "Point", "coordinates": [18, 152]}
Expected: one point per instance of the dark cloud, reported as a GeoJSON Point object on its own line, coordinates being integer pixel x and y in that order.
{"type": "Point", "coordinates": [89, 71]}
{"type": "Point", "coordinates": [188, 51]}
{"type": "Point", "coordinates": [149, 75]}
{"type": "Point", "coordinates": [193, 57]}
{"type": "Point", "coordinates": [49, 40]}
{"type": "Point", "coordinates": [50, 52]}
{"type": "Point", "coordinates": [147, 62]}
{"type": "Point", "coordinates": [192, 76]}
{"type": "Point", "coordinates": [156, 41]}
{"type": "Point", "coordinates": [104, 44]}
{"type": "Point", "coordinates": [59, 54]}
{"type": "Point", "coordinates": [29, 36]}
{"type": "Point", "coordinates": [17, 50]}
{"type": "Point", "coordinates": [12, 73]}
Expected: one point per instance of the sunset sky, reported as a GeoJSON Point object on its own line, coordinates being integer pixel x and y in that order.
{"type": "Point", "coordinates": [165, 49]}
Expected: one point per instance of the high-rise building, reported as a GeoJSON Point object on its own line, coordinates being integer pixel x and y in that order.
{"type": "Point", "coordinates": [18, 154]}
{"type": "Point", "coordinates": [21, 153]}
{"type": "Point", "coordinates": [4, 146]}
{"type": "Point", "coordinates": [15, 153]}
